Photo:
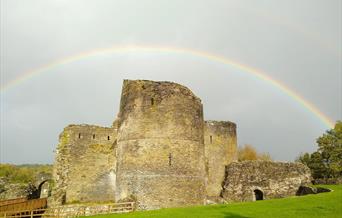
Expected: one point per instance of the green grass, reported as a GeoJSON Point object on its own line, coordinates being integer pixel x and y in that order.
{"type": "Point", "coordinates": [320, 205]}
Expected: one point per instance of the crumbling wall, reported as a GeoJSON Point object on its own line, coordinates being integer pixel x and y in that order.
{"type": "Point", "coordinates": [85, 164]}
{"type": "Point", "coordinates": [10, 190]}
{"type": "Point", "coordinates": [160, 151]}
{"type": "Point", "coordinates": [273, 179]}
{"type": "Point", "coordinates": [220, 150]}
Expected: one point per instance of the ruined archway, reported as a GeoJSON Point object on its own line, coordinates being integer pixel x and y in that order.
{"type": "Point", "coordinates": [258, 195]}
{"type": "Point", "coordinates": [44, 189]}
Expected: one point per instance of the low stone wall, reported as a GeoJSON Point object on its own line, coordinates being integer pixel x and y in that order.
{"type": "Point", "coordinates": [328, 181]}
{"type": "Point", "coordinates": [17, 190]}
{"type": "Point", "coordinates": [258, 180]}
{"type": "Point", "coordinates": [76, 210]}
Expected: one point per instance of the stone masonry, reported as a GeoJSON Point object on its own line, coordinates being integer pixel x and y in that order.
{"type": "Point", "coordinates": [220, 150]}
{"type": "Point", "coordinates": [247, 180]}
{"type": "Point", "coordinates": [160, 153]}
{"type": "Point", "coordinates": [85, 164]}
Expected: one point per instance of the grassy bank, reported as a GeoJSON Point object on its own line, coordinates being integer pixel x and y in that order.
{"type": "Point", "coordinates": [320, 205]}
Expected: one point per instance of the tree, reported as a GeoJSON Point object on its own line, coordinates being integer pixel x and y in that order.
{"type": "Point", "coordinates": [248, 152]}
{"type": "Point", "coordinates": [326, 162]}
{"type": "Point", "coordinates": [265, 157]}
{"type": "Point", "coordinates": [330, 148]}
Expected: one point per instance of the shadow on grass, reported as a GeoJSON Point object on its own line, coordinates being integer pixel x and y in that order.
{"type": "Point", "coordinates": [233, 215]}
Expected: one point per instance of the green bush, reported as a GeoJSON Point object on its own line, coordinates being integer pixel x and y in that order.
{"type": "Point", "coordinates": [22, 173]}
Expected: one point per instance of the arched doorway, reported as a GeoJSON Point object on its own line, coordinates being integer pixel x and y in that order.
{"type": "Point", "coordinates": [44, 189]}
{"type": "Point", "coordinates": [258, 195]}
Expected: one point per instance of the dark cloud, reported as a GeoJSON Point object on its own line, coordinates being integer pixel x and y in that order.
{"type": "Point", "coordinates": [295, 42]}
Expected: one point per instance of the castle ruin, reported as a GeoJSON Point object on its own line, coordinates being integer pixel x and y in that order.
{"type": "Point", "coordinates": [159, 152]}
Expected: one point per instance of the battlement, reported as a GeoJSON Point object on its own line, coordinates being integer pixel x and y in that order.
{"type": "Point", "coordinates": [158, 89]}
{"type": "Point", "coordinates": [90, 132]}
{"type": "Point", "coordinates": [221, 127]}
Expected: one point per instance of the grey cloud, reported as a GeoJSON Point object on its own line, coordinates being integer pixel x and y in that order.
{"type": "Point", "coordinates": [295, 42]}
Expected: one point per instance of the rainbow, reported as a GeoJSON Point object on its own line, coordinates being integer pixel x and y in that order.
{"type": "Point", "coordinates": [177, 50]}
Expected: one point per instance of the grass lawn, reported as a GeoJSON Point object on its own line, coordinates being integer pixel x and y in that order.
{"type": "Point", "coordinates": [319, 205]}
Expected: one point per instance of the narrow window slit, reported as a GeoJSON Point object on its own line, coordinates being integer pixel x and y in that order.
{"type": "Point", "coordinates": [211, 139]}
{"type": "Point", "coordinates": [108, 137]}
{"type": "Point", "coordinates": [152, 101]}
{"type": "Point", "coordinates": [79, 135]}
{"type": "Point", "coordinates": [170, 159]}
{"type": "Point", "coordinates": [93, 136]}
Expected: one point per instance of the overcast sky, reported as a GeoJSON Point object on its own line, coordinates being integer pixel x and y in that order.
{"type": "Point", "coordinates": [297, 42]}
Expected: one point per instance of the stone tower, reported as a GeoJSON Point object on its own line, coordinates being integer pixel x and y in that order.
{"type": "Point", "coordinates": [220, 150]}
{"type": "Point", "coordinates": [160, 145]}
{"type": "Point", "coordinates": [84, 169]}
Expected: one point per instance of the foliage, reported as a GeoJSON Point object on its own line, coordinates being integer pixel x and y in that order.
{"type": "Point", "coordinates": [330, 148]}
{"type": "Point", "coordinates": [310, 206]}
{"type": "Point", "coordinates": [265, 156]}
{"type": "Point", "coordinates": [326, 162]}
{"type": "Point", "coordinates": [22, 173]}
{"type": "Point", "coordinates": [248, 152]}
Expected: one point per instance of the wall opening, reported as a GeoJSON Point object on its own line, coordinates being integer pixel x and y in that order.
{"type": "Point", "coordinates": [63, 201]}
{"type": "Point", "coordinates": [93, 136]}
{"type": "Point", "coordinates": [258, 195]}
{"type": "Point", "coordinates": [44, 189]}
{"type": "Point", "coordinates": [211, 139]}
{"type": "Point", "coordinates": [170, 159]}
{"type": "Point", "coordinates": [152, 101]}
{"type": "Point", "coordinates": [79, 135]}
{"type": "Point", "coordinates": [108, 138]}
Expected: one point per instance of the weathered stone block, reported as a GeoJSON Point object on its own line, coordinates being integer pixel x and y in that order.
{"type": "Point", "coordinates": [250, 180]}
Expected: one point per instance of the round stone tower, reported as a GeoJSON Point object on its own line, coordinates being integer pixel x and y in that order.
{"type": "Point", "coordinates": [160, 145]}
{"type": "Point", "coordinates": [220, 150]}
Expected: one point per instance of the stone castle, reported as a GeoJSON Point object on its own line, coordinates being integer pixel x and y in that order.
{"type": "Point", "coordinates": [160, 153]}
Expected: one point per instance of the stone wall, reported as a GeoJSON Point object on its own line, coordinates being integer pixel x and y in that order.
{"type": "Point", "coordinates": [160, 152]}
{"type": "Point", "coordinates": [84, 168]}
{"type": "Point", "coordinates": [220, 150]}
{"type": "Point", "coordinates": [328, 181]}
{"type": "Point", "coordinates": [273, 179]}
{"type": "Point", "coordinates": [13, 190]}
